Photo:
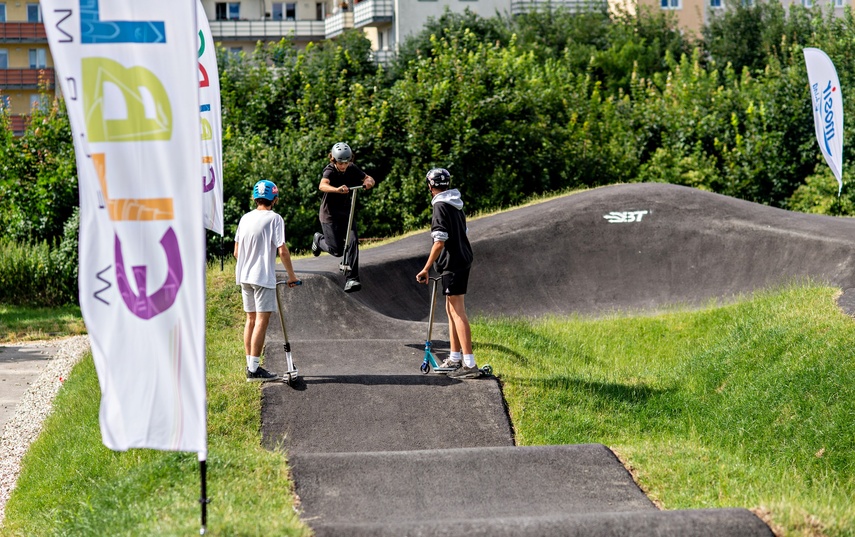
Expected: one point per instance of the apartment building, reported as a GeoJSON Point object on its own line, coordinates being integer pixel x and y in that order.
{"type": "Point", "coordinates": [25, 60]}
{"type": "Point", "coordinates": [692, 15]}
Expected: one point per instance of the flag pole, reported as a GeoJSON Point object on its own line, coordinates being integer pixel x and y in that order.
{"type": "Point", "coordinates": [203, 500]}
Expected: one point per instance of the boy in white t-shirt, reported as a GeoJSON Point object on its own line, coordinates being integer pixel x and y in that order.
{"type": "Point", "coordinates": [260, 235]}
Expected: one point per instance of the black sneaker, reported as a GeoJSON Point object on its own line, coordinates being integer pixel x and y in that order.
{"type": "Point", "coordinates": [316, 247]}
{"type": "Point", "coordinates": [465, 373]}
{"type": "Point", "coordinates": [352, 285]}
{"type": "Point", "coordinates": [260, 375]}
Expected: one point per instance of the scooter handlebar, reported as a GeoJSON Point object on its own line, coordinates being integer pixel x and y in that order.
{"type": "Point", "coordinates": [285, 282]}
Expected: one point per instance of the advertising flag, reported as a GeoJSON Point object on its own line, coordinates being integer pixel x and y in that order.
{"type": "Point", "coordinates": [210, 111]}
{"type": "Point", "coordinates": [827, 109]}
{"type": "Point", "coordinates": [128, 74]}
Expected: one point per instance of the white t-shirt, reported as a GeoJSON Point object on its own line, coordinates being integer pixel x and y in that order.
{"type": "Point", "coordinates": [259, 236]}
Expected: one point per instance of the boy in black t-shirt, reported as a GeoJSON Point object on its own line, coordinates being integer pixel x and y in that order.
{"type": "Point", "coordinates": [338, 177]}
{"type": "Point", "coordinates": [453, 256]}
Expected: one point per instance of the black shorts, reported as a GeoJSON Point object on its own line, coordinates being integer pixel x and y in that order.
{"type": "Point", "coordinates": [455, 282]}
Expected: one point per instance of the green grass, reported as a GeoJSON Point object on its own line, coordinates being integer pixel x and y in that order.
{"type": "Point", "coordinates": [744, 405]}
{"type": "Point", "coordinates": [72, 485]}
{"type": "Point", "coordinates": [19, 323]}
{"type": "Point", "coordinates": [749, 404]}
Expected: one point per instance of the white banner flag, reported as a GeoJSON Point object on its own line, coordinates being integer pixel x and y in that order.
{"type": "Point", "coordinates": [827, 109]}
{"type": "Point", "coordinates": [211, 113]}
{"type": "Point", "coordinates": [128, 72]}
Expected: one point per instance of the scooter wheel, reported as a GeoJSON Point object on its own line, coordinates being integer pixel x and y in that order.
{"type": "Point", "coordinates": [487, 370]}
{"type": "Point", "coordinates": [425, 368]}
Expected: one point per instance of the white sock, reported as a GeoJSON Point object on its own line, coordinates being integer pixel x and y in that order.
{"type": "Point", "coordinates": [253, 363]}
{"type": "Point", "coordinates": [469, 360]}
{"type": "Point", "coordinates": [248, 361]}
{"type": "Point", "coordinates": [455, 356]}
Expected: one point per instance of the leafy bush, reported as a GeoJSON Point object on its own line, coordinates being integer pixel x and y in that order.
{"type": "Point", "coordinates": [31, 276]}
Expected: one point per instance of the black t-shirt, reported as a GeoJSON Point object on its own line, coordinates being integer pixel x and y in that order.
{"type": "Point", "coordinates": [457, 253]}
{"type": "Point", "coordinates": [336, 207]}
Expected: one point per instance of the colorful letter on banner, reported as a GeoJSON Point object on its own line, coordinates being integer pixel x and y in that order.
{"type": "Point", "coordinates": [827, 109]}
{"type": "Point", "coordinates": [211, 114]}
{"type": "Point", "coordinates": [129, 76]}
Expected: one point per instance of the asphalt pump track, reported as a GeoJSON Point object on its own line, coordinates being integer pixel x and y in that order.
{"type": "Point", "coordinates": [377, 448]}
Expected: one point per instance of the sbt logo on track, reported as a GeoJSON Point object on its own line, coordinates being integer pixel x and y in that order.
{"type": "Point", "coordinates": [624, 217]}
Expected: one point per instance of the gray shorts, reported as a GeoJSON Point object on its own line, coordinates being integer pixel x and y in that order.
{"type": "Point", "coordinates": [257, 298]}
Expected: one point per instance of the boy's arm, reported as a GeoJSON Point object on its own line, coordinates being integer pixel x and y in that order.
{"type": "Point", "coordinates": [285, 256]}
{"type": "Point", "coordinates": [435, 250]}
{"type": "Point", "coordinates": [236, 249]}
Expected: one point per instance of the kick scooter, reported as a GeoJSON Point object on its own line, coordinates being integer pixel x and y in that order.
{"type": "Point", "coordinates": [430, 361]}
{"type": "Point", "coordinates": [292, 373]}
{"type": "Point", "coordinates": [344, 266]}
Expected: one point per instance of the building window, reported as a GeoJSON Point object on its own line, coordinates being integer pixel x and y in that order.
{"type": "Point", "coordinates": [715, 4]}
{"type": "Point", "coordinates": [38, 58]}
{"type": "Point", "coordinates": [2, 12]}
{"type": "Point", "coordinates": [290, 12]}
{"type": "Point", "coordinates": [34, 14]}
{"type": "Point", "coordinates": [4, 58]}
{"type": "Point", "coordinates": [277, 11]}
{"type": "Point", "coordinates": [838, 3]}
{"type": "Point", "coordinates": [227, 11]}
{"type": "Point", "coordinates": [807, 3]}
{"type": "Point", "coordinates": [669, 4]}
{"type": "Point", "coordinates": [320, 10]}
{"type": "Point", "coordinates": [5, 102]}
{"type": "Point", "coordinates": [38, 101]}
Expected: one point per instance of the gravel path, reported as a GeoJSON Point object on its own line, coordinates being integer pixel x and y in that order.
{"type": "Point", "coordinates": [20, 431]}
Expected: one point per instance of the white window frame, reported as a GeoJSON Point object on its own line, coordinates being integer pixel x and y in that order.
{"type": "Point", "coordinates": [278, 11]}
{"type": "Point", "coordinates": [671, 4]}
{"type": "Point", "coordinates": [807, 3]}
{"type": "Point", "coordinates": [716, 4]}
{"type": "Point", "coordinates": [2, 12]}
{"type": "Point", "coordinates": [38, 58]}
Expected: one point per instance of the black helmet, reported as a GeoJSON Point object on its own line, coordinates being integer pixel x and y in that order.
{"type": "Point", "coordinates": [341, 152]}
{"type": "Point", "coordinates": [438, 177]}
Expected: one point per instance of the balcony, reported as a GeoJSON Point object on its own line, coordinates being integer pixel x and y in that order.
{"type": "Point", "coordinates": [267, 30]}
{"type": "Point", "coordinates": [22, 32]}
{"type": "Point", "coordinates": [383, 57]}
{"type": "Point", "coordinates": [574, 6]}
{"type": "Point", "coordinates": [373, 13]}
{"type": "Point", "coordinates": [27, 78]}
{"type": "Point", "coordinates": [18, 124]}
{"type": "Point", "coordinates": [338, 23]}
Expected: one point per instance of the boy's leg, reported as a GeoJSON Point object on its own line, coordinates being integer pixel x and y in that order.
{"type": "Point", "coordinates": [256, 330]}
{"type": "Point", "coordinates": [454, 287]}
{"type": "Point", "coordinates": [262, 319]}
{"type": "Point", "coordinates": [455, 358]}
{"type": "Point", "coordinates": [332, 241]}
{"type": "Point", "coordinates": [351, 256]}
{"type": "Point", "coordinates": [247, 332]}
{"type": "Point", "coordinates": [460, 332]}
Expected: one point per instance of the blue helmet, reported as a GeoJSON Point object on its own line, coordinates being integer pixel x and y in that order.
{"type": "Point", "coordinates": [265, 189]}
